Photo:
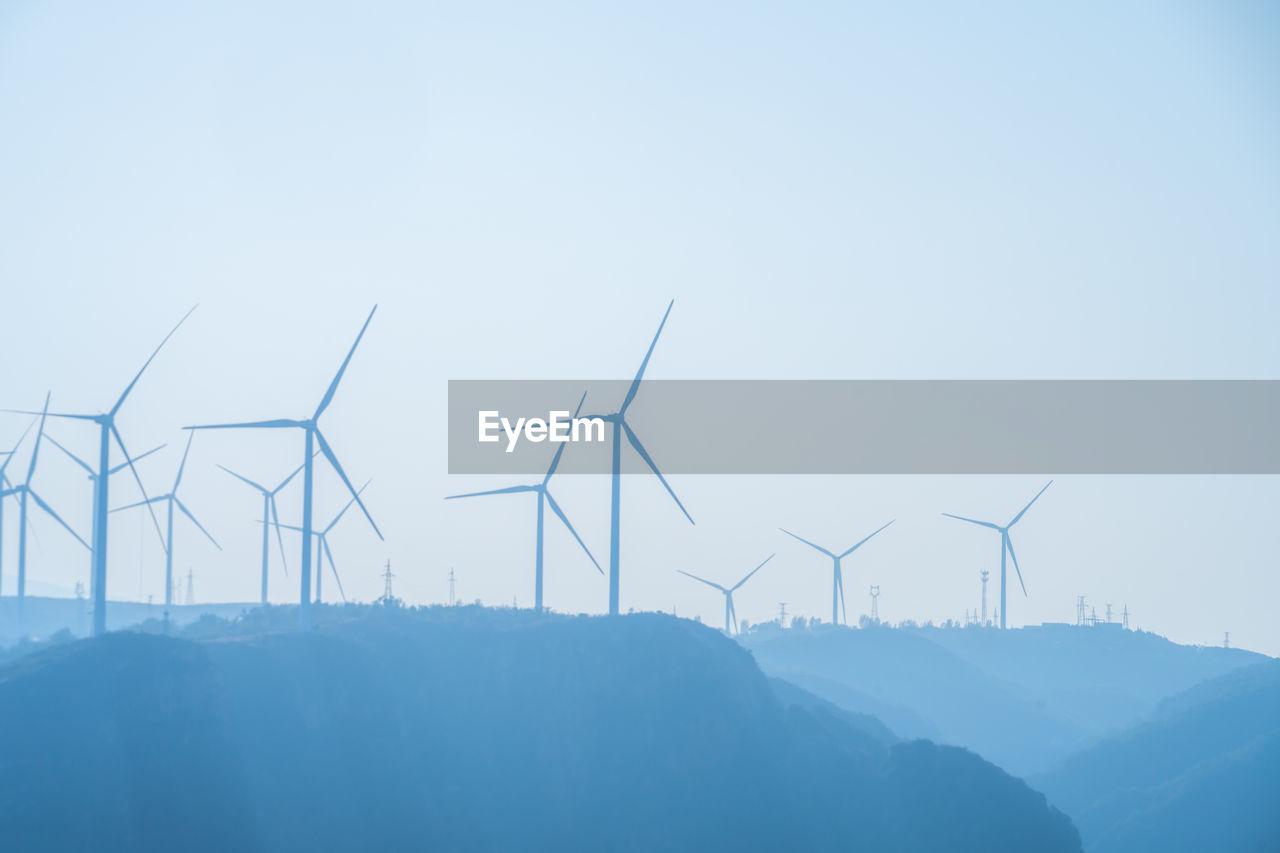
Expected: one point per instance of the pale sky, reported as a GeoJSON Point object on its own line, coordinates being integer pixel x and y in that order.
{"type": "Point", "coordinates": [827, 191]}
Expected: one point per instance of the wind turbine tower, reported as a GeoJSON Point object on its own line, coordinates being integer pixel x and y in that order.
{"type": "Point", "coordinates": [6, 488]}
{"type": "Point", "coordinates": [1006, 547]}
{"type": "Point", "coordinates": [544, 500]}
{"type": "Point", "coordinates": [269, 511]}
{"type": "Point", "coordinates": [621, 428]}
{"type": "Point", "coordinates": [730, 614]}
{"type": "Point", "coordinates": [875, 603]}
{"type": "Point", "coordinates": [837, 578]}
{"type": "Point", "coordinates": [191, 587]}
{"type": "Point", "coordinates": [93, 475]}
{"type": "Point", "coordinates": [107, 430]}
{"type": "Point", "coordinates": [25, 492]}
{"type": "Point", "coordinates": [172, 500]}
{"type": "Point", "coordinates": [984, 574]}
{"type": "Point", "coordinates": [311, 429]}
{"type": "Point", "coordinates": [452, 599]}
{"type": "Point", "coordinates": [323, 551]}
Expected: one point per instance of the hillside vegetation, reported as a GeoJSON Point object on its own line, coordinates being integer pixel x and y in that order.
{"type": "Point", "coordinates": [470, 729]}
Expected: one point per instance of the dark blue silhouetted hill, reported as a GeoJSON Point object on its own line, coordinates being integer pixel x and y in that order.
{"type": "Point", "coordinates": [470, 729]}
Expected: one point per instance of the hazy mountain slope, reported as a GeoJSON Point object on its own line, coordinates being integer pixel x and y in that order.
{"type": "Point", "coordinates": [901, 668]}
{"type": "Point", "coordinates": [902, 721]}
{"type": "Point", "coordinates": [466, 729]}
{"type": "Point", "coordinates": [792, 694]}
{"type": "Point", "coordinates": [1100, 679]}
{"type": "Point", "coordinates": [1203, 773]}
{"type": "Point", "coordinates": [1024, 698]}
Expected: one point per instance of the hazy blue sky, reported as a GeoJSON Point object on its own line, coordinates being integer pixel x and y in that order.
{"type": "Point", "coordinates": [827, 190]}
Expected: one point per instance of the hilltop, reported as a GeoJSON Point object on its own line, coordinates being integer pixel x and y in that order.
{"type": "Point", "coordinates": [470, 729]}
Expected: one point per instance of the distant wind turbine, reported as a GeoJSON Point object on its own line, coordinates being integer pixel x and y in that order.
{"type": "Point", "coordinates": [620, 426]}
{"type": "Point", "coordinates": [269, 511]}
{"type": "Point", "coordinates": [24, 491]}
{"type": "Point", "coordinates": [544, 500]}
{"type": "Point", "coordinates": [729, 612]}
{"type": "Point", "coordinates": [322, 543]}
{"type": "Point", "coordinates": [171, 500]}
{"type": "Point", "coordinates": [311, 428]}
{"type": "Point", "coordinates": [107, 430]}
{"type": "Point", "coordinates": [6, 487]}
{"type": "Point", "coordinates": [1006, 546]}
{"type": "Point", "coordinates": [837, 578]}
{"type": "Point", "coordinates": [93, 475]}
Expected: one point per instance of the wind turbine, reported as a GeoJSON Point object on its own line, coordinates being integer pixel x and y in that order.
{"type": "Point", "coordinates": [311, 428]}
{"type": "Point", "coordinates": [171, 500]}
{"type": "Point", "coordinates": [322, 543]}
{"type": "Point", "coordinates": [93, 476]}
{"type": "Point", "coordinates": [544, 500]}
{"type": "Point", "coordinates": [1006, 546]}
{"type": "Point", "coordinates": [25, 491]}
{"type": "Point", "coordinates": [837, 578]}
{"type": "Point", "coordinates": [6, 487]}
{"type": "Point", "coordinates": [620, 426]}
{"type": "Point", "coordinates": [729, 612]}
{"type": "Point", "coordinates": [106, 422]}
{"type": "Point", "coordinates": [269, 511]}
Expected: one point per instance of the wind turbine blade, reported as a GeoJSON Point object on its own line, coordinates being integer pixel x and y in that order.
{"type": "Point", "coordinates": [702, 580]}
{"type": "Point", "coordinates": [183, 465]}
{"type": "Point", "coordinates": [333, 460]}
{"type": "Point", "coordinates": [23, 437]}
{"type": "Point", "coordinates": [16, 445]}
{"type": "Point", "coordinates": [1009, 544]}
{"type": "Point", "coordinates": [275, 515]}
{"type": "Point", "coordinates": [644, 454]}
{"type": "Point", "coordinates": [52, 415]}
{"type": "Point", "coordinates": [555, 460]}
{"type": "Point", "coordinates": [295, 473]}
{"type": "Point", "coordinates": [333, 567]}
{"type": "Point", "coordinates": [44, 506]}
{"type": "Point", "coordinates": [733, 614]}
{"type": "Point", "coordinates": [343, 511]}
{"type": "Point", "coordinates": [188, 514]}
{"type": "Point", "coordinates": [278, 423]}
{"type": "Point", "coordinates": [753, 571]}
{"type": "Point", "coordinates": [509, 490]}
{"type": "Point", "coordinates": [156, 352]}
{"type": "Point", "coordinates": [864, 541]}
{"type": "Point", "coordinates": [1028, 506]}
{"type": "Point", "coordinates": [807, 542]}
{"type": "Point", "coordinates": [137, 479]}
{"type": "Point", "coordinates": [242, 479]}
{"type": "Point", "coordinates": [333, 386]}
{"type": "Point", "coordinates": [35, 451]}
{"type": "Point", "coordinates": [296, 528]}
{"type": "Point", "coordinates": [71, 456]}
{"type": "Point", "coordinates": [973, 521]}
{"type": "Point", "coordinates": [555, 507]}
{"type": "Point", "coordinates": [156, 499]}
{"type": "Point", "coordinates": [635, 384]}
{"type": "Point", "coordinates": [140, 456]}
